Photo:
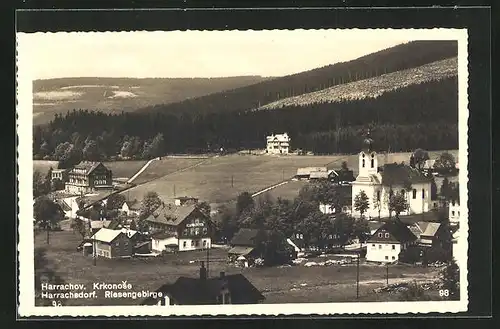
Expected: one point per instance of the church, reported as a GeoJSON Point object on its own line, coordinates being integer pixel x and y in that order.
{"type": "Point", "coordinates": [379, 183]}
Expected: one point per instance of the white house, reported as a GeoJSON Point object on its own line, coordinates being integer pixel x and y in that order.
{"type": "Point", "coordinates": [164, 241]}
{"type": "Point", "coordinates": [454, 211]}
{"type": "Point", "coordinates": [131, 208]}
{"type": "Point", "coordinates": [388, 241]}
{"type": "Point", "coordinates": [379, 183]}
{"type": "Point", "coordinates": [278, 144]}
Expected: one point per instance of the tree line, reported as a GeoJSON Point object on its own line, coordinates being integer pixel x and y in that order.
{"type": "Point", "coordinates": [424, 115]}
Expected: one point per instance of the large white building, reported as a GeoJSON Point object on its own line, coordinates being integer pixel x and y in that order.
{"type": "Point", "coordinates": [385, 245]}
{"type": "Point", "coordinates": [278, 144]}
{"type": "Point", "coordinates": [379, 183]}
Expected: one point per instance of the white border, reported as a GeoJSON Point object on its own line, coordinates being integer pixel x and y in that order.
{"type": "Point", "coordinates": [26, 299]}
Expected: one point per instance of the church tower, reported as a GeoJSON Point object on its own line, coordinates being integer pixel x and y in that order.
{"type": "Point", "coordinates": [367, 161]}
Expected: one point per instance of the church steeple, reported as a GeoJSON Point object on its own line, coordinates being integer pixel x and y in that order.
{"type": "Point", "coordinates": [368, 163]}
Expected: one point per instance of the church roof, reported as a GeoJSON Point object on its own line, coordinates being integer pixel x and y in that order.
{"type": "Point", "coordinates": [399, 174]}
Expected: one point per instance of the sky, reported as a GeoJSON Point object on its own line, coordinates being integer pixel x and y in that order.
{"type": "Point", "coordinates": [197, 53]}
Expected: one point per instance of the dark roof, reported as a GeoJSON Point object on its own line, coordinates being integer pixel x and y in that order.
{"type": "Point", "coordinates": [64, 205]}
{"type": "Point", "coordinates": [193, 291]}
{"type": "Point", "coordinates": [133, 205]}
{"type": "Point", "coordinates": [89, 166]}
{"type": "Point", "coordinates": [397, 229]}
{"type": "Point", "coordinates": [171, 214]}
{"type": "Point", "coordinates": [247, 237]}
{"type": "Point", "coordinates": [163, 235]}
{"type": "Point", "coordinates": [399, 174]}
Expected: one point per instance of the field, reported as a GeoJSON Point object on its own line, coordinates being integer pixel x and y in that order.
{"type": "Point", "coordinates": [124, 169]}
{"type": "Point", "coordinates": [278, 284]}
{"type": "Point", "coordinates": [221, 179]}
{"type": "Point", "coordinates": [43, 166]}
{"type": "Point", "coordinates": [166, 166]}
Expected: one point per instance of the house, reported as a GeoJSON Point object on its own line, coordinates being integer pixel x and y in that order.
{"type": "Point", "coordinates": [380, 183]}
{"type": "Point", "coordinates": [204, 290]}
{"type": "Point", "coordinates": [61, 174]}
{"type": "Point", "coordinates": [305, 173]}
{"type": "Point", "coordinates": [278, 144]}
{"type": "Point", "coordinates": [329, 174]}
{"type": "Point", "coordinates": [96, 225]}
{"type": "Point", "coordinates": [454, 211]}
{"type": "Point", "coordinates": [343, 176]}
{"type": "Point", "coordinates": [88, 177]}
{"type": "Point", "coordinates": [114, 243]}
{"type": "Point", "coordinates": [131, 208]}
{"type": "Point", "coordinates": [374, 225]}
{"type": "Point", "coordinates": [164, 242]}
{"type": "Point", "coordinates": [247, 245]}
{"type": "Point", "coordinates": [429, 234]}
{"type": "Point", "coordinates": [192, 227]}
{"type": "Point", "coordinates": [185, 200]}
{"type": "Point", "coordinates": [66, 208]}
{"type": "Point", "coordinates": [388, 241]}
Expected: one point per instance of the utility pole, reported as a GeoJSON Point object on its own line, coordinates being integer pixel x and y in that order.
{"type": "Point", "coordinates": [94, 252]}
{"type": "Point", "coordinates": [387, 273]}
{"type": "Point", "coordinates": [174, 190]}
{"type": "Point", "coordinates": [357, 277]}
{"type": "Point", "coordinates": [232, 180]}
{"type": "Point", "coordinates": [283, 175]}
{"type": "Point", "coordinates": [208, 260]}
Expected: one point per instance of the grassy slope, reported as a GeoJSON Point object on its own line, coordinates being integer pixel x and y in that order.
{"type": "Point", "coordinates": [373, 87]}
{"type": "Point", "coordinates": [322, 284]}
{"type": "Point", "coordinates": [60, 95]}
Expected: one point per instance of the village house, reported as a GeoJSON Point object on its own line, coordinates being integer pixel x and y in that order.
{"type": "Point", "coordinates": [164, 242]}
{"type": "Point", "coordinates": [278, 144]}
{"type": "Point", "coordinates": [388, 241]}
{"type": "Point", "coordinates": [61, 174]}
{"type": "Point", "coordinates": [88, 177]}
{"type": "Point", "coordinates": [204, 290]}
{"type": "Point", "coordinates": [187, 223]}
{"type": "Point", "coordinates": [380, 183]}
{"type": "Point", "coordinates": [429, 234]}
{"type": "Point", "coordinates": [185, 200]}
{"type": "Point", "coordinates": [114, 243]}
{"type": "Point", "coordinates": [305, 173]}
{"type": "Point", "coordinates": [454, 211]}
{"type": "Point", "coordinates": [131, 208]}
{"type": "Point", "coordinates": [96, 225]}
{"type": "Point", "coordinates": [247, 245]}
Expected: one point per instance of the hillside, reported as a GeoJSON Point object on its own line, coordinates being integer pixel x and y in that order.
{"type": "Point", "coordinates": [401, 57]}
{"type": "Point", "coordinates": [116, 94]}
{"type": "Point", "coordinates": [372, 87]}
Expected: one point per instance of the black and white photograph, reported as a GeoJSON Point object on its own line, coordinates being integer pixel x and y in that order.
{"type": "Point", "coordinates": [243, 172]}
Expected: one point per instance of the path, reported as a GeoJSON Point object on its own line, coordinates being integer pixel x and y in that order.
{"type": "Point", "coordinates": [131, 179]}
{"type": "Point", "coordinates": [269, 188]}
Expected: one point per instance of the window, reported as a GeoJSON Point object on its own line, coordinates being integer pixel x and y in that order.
{"type": "Point", "coordinates": [387, 235]}
{"type": "Point", "coordinates": [205, 230]}
{"type": "Point", "coordinates": [414, 193]}
{"type": "Point", "coordinates": [380, 246]}
{"type": "Point", "coordinates": [373, 245]}
{"type": "Point", "coordinates": [196, 221]}
{"type": "Point", "coordinates": [117, 243]}
{"type": "Point", "coordinates": [393, 247]}
{"type": "Point", "coordinates": [386, 257]}
{"type": "Point", "coordinates": [184, 244]}
{"type": "Point", "coordinates": [423, 193]}
{"type": "Point", "coordinates": [453, 202]}
{"type": "Point", "coordinates": [197, 243]}
{"type": "Point", "coordinates": [197, 231]}
{"type": "Point", "coordinates": [378, 195]}
{"type": "Point", "coordinates": [453, 212]}
{"type": "Point", "coordinates": [372, 163]}
{"type": "Point", "coordinates": [393, 258]}
{"type": "Point", "coordinates": [192, 243]}
{"type": "Point", "coordinates": [363, 165]}
{"type": "Point", "coordinates": [458, 213]}
{"type": "Point", "coordinates": [204, 243]}
{"type": "Point", "coordinates": [380, 235]}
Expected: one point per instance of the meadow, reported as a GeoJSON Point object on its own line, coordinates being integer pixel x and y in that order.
{"type": "Point", "coordinates": [290, 284]}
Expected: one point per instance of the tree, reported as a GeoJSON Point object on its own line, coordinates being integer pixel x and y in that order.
{"type": "Point", "coordinates": [71, 157]}
{"type": "Point", "coordinates": [91, 151]}
{"type": "Point", "coordinates": [133, 225]}
{"type": "Point", "coordinates": [398, 204]}
{"type": "Point", "coordinates": [450, 278]}
{"type": "Point", "coordinates": [344, 166]}
{"type": "Point", "coordinates": [244, 202]}
{"type": "Point", "coordinates": [327, 193]}
{"type": "Point", "coordinates": [445, 189]}
{"type": "Point", "coordinates": [61, 150]}
{"type": "Point", "coordinates": [361, 203]}
{"type": "Point", "coordinates": [155, 149]}
{"type": "Point", "coordinates": [150, 203]}
{"type": "Point", "coordinates": [57, 185]}
{"type": "Point", "coordinates": [343, 228]}
{"type": "Point", "coordinates": [115, 201]}
{"type": "Point", "coordinates": [414, 292]}
{"type": "Point", "coordinates": [419, 158]}
{"type": "Point", "coordinates": [40, 184]}
{"type": "Point", "coordinates": [47, 214]}
{"type": "Point", "coordinates": [204, 208]}
{"type": "Point", "coordinates": [79, 227]}
{"type": "Point", "coordinates": [361, 230]}
{"type": "Point", "coordinates": [445, 164]}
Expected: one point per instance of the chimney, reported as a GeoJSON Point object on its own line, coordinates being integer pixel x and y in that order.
{"type": "Point", "coordinates": [222, 275]}
{"type": "Point", "coordinates": [203, 271]}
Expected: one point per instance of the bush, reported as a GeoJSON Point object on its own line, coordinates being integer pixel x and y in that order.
{"type": "Point", "coordinates": [411, 255]}
{"type": "Point", "coordinates": [436, 254]}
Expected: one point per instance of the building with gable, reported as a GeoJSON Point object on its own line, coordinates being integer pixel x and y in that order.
{"type": "Point", "coordinates": [385, 245]}
{"type": "Point", "coordinates": [186, 224]}
{"type": "Point", "coordinates": [88, 177]}
{"type": "Point", "coordinates": [114, 243]}
{"type": "Point", "coordinates": [278, 144]}
{"type": "Point", "coordinates": [379, 183]}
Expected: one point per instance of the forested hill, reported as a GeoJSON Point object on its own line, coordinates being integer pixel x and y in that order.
{"type": "Point", "coordinates": [401, 57]}
{"type": "Point", "coordinates": [372, 87]}
{"type": "Point", "coordinates": [51, 96]}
